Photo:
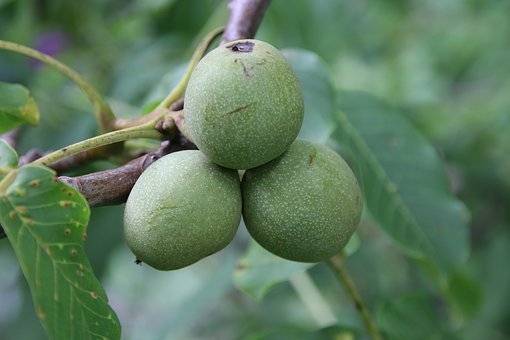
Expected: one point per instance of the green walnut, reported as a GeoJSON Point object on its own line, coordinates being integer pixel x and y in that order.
{"type": "Point", "coordinates": [243, 105]}
{"type": "Point", "coordinates": [303, 206]}
{"type": "Point", "coordinates": [182, 209]}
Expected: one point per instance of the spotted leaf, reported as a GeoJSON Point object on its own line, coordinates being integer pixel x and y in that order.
{"type": "Point", "coordinates": [45, 221]}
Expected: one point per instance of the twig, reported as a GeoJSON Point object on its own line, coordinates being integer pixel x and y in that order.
{"type": "Point", "coordinates": [178, 91]}
{"type": "Point", "coordinates": [113, 186]}
{"type": "Point", "coordinates": [141, 131]}
{"type": "Point", "coordinates": [245, 18]}
{"type": "Point", "coordinates": [73, 161]}
{"type": "Point", "coordinates": [336, 263]}
{"type": "Point", "coordinates": [85, 157]}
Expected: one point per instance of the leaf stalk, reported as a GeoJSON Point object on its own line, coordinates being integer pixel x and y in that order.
{"type": "Point", "coordinates": [336, 263]}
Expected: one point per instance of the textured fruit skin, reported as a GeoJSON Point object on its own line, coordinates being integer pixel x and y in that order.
{"type": "Point", "coordinates": [182, 209]}
{"type": "Point", "coordinates": [243, 108]}
{"type": "Point", "coordinates": [303, 206]}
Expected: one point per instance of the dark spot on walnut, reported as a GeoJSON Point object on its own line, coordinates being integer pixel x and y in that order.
{"type": "Point", "coordinates": [241, 108]}
{"type": "Point", "coordinates": [241, 46]}
{"type": "Point", "coordinates": [246, 69]}
{"type": "Point", "coordinates": [311, 157]}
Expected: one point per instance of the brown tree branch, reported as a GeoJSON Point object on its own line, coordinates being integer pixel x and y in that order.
{"type": "Point", "coordinates": [245, 18]}
{"type": "Point", "coordinates": [113, 186]}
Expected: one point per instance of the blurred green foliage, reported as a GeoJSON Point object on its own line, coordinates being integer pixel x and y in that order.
{"type": "Point", "coordinates": [441, 64]}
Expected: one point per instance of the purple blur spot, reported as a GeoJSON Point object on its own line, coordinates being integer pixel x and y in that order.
{"type": "Point", "coordinates": [50, 43]}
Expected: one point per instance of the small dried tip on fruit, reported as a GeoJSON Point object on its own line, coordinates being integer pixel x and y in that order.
{"type": "Point", "coordinates": [241, 46]}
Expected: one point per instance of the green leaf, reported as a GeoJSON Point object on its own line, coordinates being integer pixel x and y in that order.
{"type": "Point", "coordinates": [16, 107]}
{"type": "Point", "coordinates": [259, 270]}
{"type": "Point", "coordinates": [403, 180]}
{"type": "Point", "coordinates": [8, 158]}
{"type": "Point", "coordinates": [318, 93]}
{"type": "Point", "coordinates": [193, 291]}
{"type": "Point", "coordinates": [45, 221]}
{"type": "Point", "coordinates": [411, 317]}
{"type": "Point", "coordinates": [465, 294]}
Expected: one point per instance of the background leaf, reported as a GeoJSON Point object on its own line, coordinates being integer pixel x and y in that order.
{"type": "Point", "coordinates": [403, 180]}
{"type": "Point", "coordinates": [45, 221]}
{"type": "Point", "coordinates": [411, 317]}
{"type": "Point", "coordinates": [318, 93]}
{"type": "Point", "coordinates": [258, 270]}
{"type": "Point", "coordinates": [16, 107]}
{"type": "Point", "coordinates": [8, 158]}
{"type": "Point", "coordinates": [465, 293]}
{"type": "Point", "coordinates": [145, 305]}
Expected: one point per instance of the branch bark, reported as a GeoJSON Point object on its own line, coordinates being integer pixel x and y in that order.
{"type": "Point", "coordinates": [245, 18]}
{"type": "Point", "coordinates": [110, 187]}
{"type": "Point", "coordinates": [113, 186]}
